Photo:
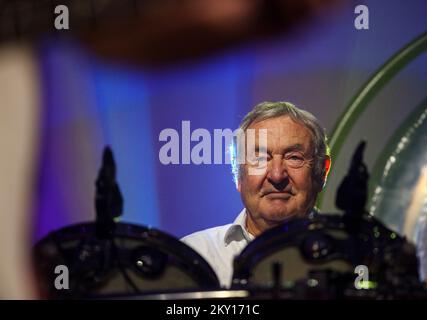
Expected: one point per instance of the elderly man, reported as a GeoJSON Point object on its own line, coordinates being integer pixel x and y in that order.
{"type": "Point", "coordinates": [296, 162]}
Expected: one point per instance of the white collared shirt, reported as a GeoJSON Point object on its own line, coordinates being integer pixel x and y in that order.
{"type": "Point", "coordinates": [219, 245]}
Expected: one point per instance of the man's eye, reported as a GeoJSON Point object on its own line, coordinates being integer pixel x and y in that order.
{"type": "Point", "coordinates": [295, 160]}
{"type": "Point", "coordinates": [294, 156]}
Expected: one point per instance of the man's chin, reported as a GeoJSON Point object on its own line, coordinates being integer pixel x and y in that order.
{"type": "Point", "coordinates": [275, 217]}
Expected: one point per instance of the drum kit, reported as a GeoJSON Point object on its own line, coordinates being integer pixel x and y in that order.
{"type": "Point", "coordinates": [323, 256]}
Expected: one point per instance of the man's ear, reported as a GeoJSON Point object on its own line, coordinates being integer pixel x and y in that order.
{"type": "Point", "coordinates": [327, 164]}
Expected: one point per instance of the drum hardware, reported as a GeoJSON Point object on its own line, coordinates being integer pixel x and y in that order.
{"type": "Point", "coordinates": [316, 257]}
{"type": "Point", "coordinates": [107, 258]}
{"type": "Point", "coordinates": [308, 258]}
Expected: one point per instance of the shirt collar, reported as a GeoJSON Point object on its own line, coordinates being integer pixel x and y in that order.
{"type": "Point", "coordinates": [237, 231]}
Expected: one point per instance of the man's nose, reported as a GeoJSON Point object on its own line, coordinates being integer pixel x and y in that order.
{"type": "Point", "coordinates": [277, 171]}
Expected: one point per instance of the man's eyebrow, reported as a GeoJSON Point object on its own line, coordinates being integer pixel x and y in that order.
{"type": "Point", "coordinates": [294, 147]}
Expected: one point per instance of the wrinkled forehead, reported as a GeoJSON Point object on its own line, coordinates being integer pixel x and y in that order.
{"type": "Point", "coordinates": [281, 133]}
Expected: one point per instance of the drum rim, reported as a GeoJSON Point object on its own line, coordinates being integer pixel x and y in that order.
{"type": "Point", "coordinates": [255, 251]}
{"type": "Point", "coordinates": [185, 257]}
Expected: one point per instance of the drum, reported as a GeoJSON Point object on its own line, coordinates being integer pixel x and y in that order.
{"type": "Point", "coordinates": [328, 256]}
{"type": "Point", "coordinates": [131, 260]}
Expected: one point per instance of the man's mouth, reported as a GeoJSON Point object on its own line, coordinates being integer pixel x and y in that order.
{"type": "Point", "coordinates": [284, 195]}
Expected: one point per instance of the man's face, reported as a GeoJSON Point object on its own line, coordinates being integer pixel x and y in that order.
{"type": "Point", "coordinates": [285, 188]}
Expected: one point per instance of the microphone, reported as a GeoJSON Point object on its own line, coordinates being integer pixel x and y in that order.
{"type": "Point", "coordinates": [353, 190]}
{"type": "Point", "coordinates": [108, 198]}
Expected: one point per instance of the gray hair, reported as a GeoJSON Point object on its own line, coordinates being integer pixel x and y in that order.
{"type": "Point", "coordinates": [267, 110]}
